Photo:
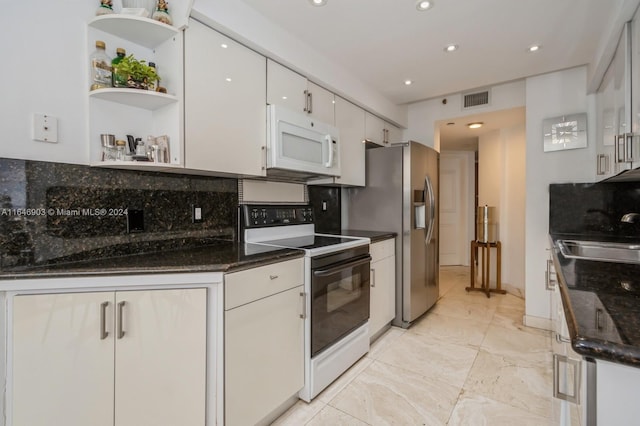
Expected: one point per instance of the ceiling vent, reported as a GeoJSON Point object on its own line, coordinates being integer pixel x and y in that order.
{"type": "Point", "coordinates": [472, 100]}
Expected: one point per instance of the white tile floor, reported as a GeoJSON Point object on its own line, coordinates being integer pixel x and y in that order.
{"type": "Point", "coordinates": [469, 361]}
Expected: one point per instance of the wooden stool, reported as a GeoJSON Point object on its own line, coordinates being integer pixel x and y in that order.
{"type": "Point", "coordinates": [486, 267]}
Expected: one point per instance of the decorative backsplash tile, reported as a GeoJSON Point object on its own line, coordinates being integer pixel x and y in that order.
{"type": "Point", "coordinates": [51, 212]}
{"type": "Point", "coordinates": [594, 208]}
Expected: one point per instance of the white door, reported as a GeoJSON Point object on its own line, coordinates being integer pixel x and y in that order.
{"type": "Point", "coordinates": [456, 207]}
{"type": "Point", "coordinates": [63, 359]}
{"type": "Point", "coordinates": [160, 357]}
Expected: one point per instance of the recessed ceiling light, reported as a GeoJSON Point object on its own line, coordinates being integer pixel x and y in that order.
{"type": "Point", "coordinates": [228, 79]}
{"type": "Point", "coordinates": [451, 48]}
{"type": "Point", "coordinates": [475, 125]}
{"type": "Point", "coordinates": [423, 5]}
{"type": "Point", "coordinates": [533, 48]}
{"type": "Point", "coordinates": [224, 46]}
{"type": "Point", "coordinates": [318, 2]}
{"type": "Point", "coordinates": [407, 82]}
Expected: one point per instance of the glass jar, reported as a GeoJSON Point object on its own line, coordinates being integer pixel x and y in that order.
{"type": "Point", "coordinates": [120, 150]}
{"type": "Point", "coordinates": [100, 67]}
{"type": "Point", "coordinates": [118, 79]}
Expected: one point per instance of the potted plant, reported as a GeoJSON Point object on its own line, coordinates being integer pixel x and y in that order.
{"type": "Point", "coordinates": [136, 73]}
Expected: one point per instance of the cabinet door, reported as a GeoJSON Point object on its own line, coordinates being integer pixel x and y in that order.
{"type": "Point", "coordinates": [383, 286]}
{"type": "Point", "coordinates": [394, 134]}
{"type": "Point", "coordinates": [350, 123]}
{"type": "Point", "coordinates": [375, 130]}
{"type": "Point", "coordinates": [225, 109]}
{"type": "Point", "coordinates": [605, 126]}
{"type": "Point", "coordinates": [621, 64]}
{"type": "Point", "coordinates": [285, 87]}
{"type": "Point", "coordinates": [264, 356]}
{"type": "Point", "coordinates": [62, 362]}
{"type": "Point", "coordinates": [321, 104]}
{"type": "Point", "coordinates": [161, 357]}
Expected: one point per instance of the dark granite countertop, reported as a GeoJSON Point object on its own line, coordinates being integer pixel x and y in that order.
{"type": "Point", "coordinates": [375, 236]}
{"type": "Point", "coordinates": [602, 306]}
{"type": "Point", "coordinates": [214, 256]}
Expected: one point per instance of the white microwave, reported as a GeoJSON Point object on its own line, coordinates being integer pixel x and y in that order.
{"type": "Point", "coordinates": [300, 147]}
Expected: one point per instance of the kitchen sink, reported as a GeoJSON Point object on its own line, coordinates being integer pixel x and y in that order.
{"type": "Point", "coordinates": [601, 251]}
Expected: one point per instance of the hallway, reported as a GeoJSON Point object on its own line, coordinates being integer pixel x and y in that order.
{"type": "Point", "coordinates": [469, 361]}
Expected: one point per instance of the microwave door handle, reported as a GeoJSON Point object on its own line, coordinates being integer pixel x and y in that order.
{"type": "Point", "coordinates": [329, 142]}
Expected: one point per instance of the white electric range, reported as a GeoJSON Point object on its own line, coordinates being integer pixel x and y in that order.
{"type": "Point", "coordinates": [336, 284]}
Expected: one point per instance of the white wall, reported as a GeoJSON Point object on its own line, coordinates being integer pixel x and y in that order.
{"type": "Point", "coordinates": [423, 115]}
{"type": "Point", "coordinates": [501, 184]}
{"type": "Point", "coordinates": [548, 96]}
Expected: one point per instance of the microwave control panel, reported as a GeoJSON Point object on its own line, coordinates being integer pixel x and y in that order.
{"type": "Point", "coordinates": [259, 216]}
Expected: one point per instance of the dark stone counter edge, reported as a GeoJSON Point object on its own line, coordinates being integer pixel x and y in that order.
{"type": "Point", "coordinates": [585, 345]}
{"type": "Point", "coordinates": [375, 236]}
{"type": "Point", "coordinates": [78, 272]}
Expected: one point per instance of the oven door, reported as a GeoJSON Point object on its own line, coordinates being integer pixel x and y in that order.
{"type": "Point", "coordinates": [340, 296]}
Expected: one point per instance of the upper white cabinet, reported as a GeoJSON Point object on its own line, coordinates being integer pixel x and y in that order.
{"type": "Point", "coordinates": [606, 127]}
{"type": "Point", "coordinates": [135, 112]}
{"type": "Point", "coordinates": [109, 358]}
{"type": "Point", "coordinates": [380, 132]}
{"type": "Point", "coordinates": [294, 91]}
{"type": "Point", "coordinates": [350, 123]}
{"type": "Point", "coordinates": [225, 108]}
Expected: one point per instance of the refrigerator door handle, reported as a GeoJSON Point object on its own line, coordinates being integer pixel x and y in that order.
{"type": "Point", "coordinates": [432, 208]}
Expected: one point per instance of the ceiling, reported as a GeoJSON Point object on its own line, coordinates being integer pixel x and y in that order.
{"type": "Point", "coordinates": [385, 42]}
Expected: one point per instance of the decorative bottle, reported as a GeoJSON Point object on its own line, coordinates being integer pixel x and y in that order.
{"type": "Point", "coordinates": [100, 67]}
{"type": "Point", "coordinates": [118, 79]}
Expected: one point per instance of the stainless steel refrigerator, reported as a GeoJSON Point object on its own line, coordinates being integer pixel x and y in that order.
{"type": "Point", "coordinates": [401, 195]}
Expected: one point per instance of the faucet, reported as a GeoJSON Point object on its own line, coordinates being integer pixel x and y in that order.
{"type": "Point", "coordinates": [630, 218]}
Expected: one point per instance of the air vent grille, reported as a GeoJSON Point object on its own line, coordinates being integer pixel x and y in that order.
{"type": "Point", "coordinates": [471, 100]}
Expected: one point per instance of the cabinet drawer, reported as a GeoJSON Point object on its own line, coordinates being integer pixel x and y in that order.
{"type": "Point", "coordinates": [382, 249]}
{"type": "Point", "coordinates": [253, 284]}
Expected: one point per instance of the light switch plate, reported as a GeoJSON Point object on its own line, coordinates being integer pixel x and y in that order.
{"type": "Point", "coordinates": [45, 128]}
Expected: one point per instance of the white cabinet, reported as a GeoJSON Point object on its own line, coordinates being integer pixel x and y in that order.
{"type": "Point", "coordinates": [140, 113]}
{"type": "Point", "coordinates": [263, 340]}
{"type": "Point", "coordinates": [380, 132]}
{"type": "Point", "coordinates": [225, 108]}
{"type": "Point", "coordinates": [294, 91]}
{"type": "Point", "coordinates": [606, 127]}
{"type": "Point", "coordinates": [618, 387]}
{"type": "Point", "coordinates": [383, 286]}
{"type": "Point", "coordinates": [109, 358]}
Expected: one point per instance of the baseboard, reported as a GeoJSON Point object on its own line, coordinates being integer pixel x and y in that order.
{"type": "Point", "coordinates": [537, 322]}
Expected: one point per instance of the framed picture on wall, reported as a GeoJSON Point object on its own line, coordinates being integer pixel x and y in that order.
{"type": "Point", "coordinates": [565, 132]}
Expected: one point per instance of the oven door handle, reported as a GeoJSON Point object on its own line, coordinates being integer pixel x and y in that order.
{"type": "Point", "coordinates": [356, 262]}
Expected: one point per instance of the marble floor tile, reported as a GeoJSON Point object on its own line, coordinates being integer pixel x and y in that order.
{"type": "Point", "coordinates": [477, 410]}
{"type": "Point", "coordinates": [439, 360]}
{"type": "Point", "coordinates": [518, 346]}
{"type": "Point", "coordinates": [301, 413]}
{"type": "Point", "coordinates": [385, 341]}
{"type": "Point", "coordinates": [450, 329]}
{"type": "Point", "coordinates": [386, 395]}
{"type": "Point", "coordinates": [464, 308]}
{"type": "Point", "coordinates": [331, 416]}
{"type": "Point", "coordinates": [522, 386]}
{"type": "Point", "coordinates": [512, 318]}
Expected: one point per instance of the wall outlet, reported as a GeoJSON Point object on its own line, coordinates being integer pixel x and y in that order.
{"type": "Point", "coordinates": [45, 128]}
{"type": "Point", "coordinates": [135, 220]}
{"type": "Point", "coordinates": [196, 214]}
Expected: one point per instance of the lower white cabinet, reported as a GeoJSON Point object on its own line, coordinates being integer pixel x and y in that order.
{"type": "Point", "coordinates": [383, 286]}
{"type": "Point", "coordinates": [263, 340]}
{"type": "Point", "coordinates": [109, 358]}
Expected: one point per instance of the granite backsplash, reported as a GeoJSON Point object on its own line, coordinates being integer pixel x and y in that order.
{"type": "Point", "coordinates": [54, 212]}
{"type": "Point", "coordinates": [594, 209]}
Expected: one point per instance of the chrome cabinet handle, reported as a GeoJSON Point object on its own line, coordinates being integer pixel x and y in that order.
{"type": "Point", "coordinates": [373, 277]}
{"type": "Point", "coordinates": [550, 283]}
{"type": "Point", "coordinates": [303, 315]}
{"type": "Point", "coordinates": [575, 395]}
{"type": "Point", "coordinates": [310, 96]}
{"type": "Point", "coordinates": [599, 313]}
{"type": "Point", "coordinates": [103, 320]}
{"type": "Point", "coordinates": [273, 277]}
{"type": "Point", "coordinates": [264, 157]}
{"type": "Point", "coordinates": [603, 164]}
{"type": "Point", "coordinates": [561, 339]}
{"type": "Point", "coordinates": [120, 315]}
{"type": "Point", "coordinates": [629, 147]}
